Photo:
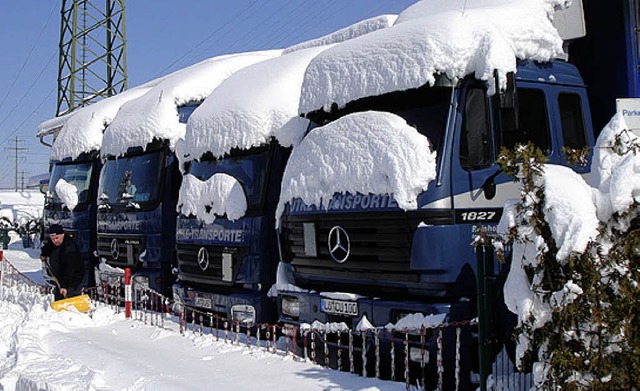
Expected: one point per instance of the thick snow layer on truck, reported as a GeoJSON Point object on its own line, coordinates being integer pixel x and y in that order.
{"type": "Point", "coordinates": [454, 38]}
{"type": "Point", "coordinates": [154, 114]}
{"type": "Point", "coordinates": [82, 132]}
{"type": "Point", "coordinates": [233, 154]}
{"type": "Point", "coordinates": [370, 153]}
{"type": "Point", "coordinates": [220, 195]}
{"type": "Point", "coordinates": [250, 107]}
{"type": "Point", "coordinates": [361, 28]}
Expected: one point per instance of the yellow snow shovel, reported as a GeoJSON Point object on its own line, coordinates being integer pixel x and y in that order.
{"type": "Point", "coordinates": [82, 303]}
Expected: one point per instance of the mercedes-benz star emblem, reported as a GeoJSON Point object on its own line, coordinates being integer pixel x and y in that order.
{"type": "Point", "coordinates": [203, 258]}
{"type": "Point", "coordinates": [339, 244]}
{"type": "Point", "coordinates": [115, 250]}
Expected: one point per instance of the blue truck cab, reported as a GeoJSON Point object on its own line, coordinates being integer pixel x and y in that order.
{"type": "Point", "coordinates": [227, 266]}
{"type": "Point", "coordinates": [235, 149]}
{"type": "Point", "coordinates": [82, 172]}
{"type": "Point", "coordinates": [394, 263]}
{"type": "Point", "coordinates": [136, 219]}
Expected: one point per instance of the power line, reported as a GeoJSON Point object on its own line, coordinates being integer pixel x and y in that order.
{"type": "Point", "coordinates": [235, 16]}
{"type": "Point", "coordinates": [28, 56]}
{"type": "Point", "coordinates": [255, 27]}
{"type": "Point", "coordinates": [299, 19]}
{"type": "Point", "coordinates": [29, 116]}
{"type": "Point", "coordinates": [28, 90]}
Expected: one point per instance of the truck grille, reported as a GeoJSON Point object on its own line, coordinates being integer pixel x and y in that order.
{"type": "Point", "coordinates": [214, 274]}
{"type": "Point", "coordinates": [120, 250]}
{"type": "Point", "coordinates": [380, 248]}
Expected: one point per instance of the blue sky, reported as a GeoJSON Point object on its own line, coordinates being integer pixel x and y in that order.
{"type": "Point", "coordinates": [162, 36]}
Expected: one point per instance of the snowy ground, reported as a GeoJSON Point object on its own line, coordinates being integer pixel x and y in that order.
{"type": "Point", "coordinates": [21, 206]}
{"type": "Point", "coordinates": [46, 350]}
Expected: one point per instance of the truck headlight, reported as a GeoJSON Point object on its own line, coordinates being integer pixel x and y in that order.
{"type": "Point", "coordinates": [243, 313]}
{"type": "Point", "coordinates": [290, 306]}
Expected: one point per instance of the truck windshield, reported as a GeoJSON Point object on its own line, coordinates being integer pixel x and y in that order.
{"type": "Point", "coordinates": [131, 179]}
{"type": "Point", "coordinates": [427, 112]}
{"type": "Point", "coordinates": [76, 174]}
{"type": "Point", "coordinates": [425, 108]}
{"type": "Point", "coordinates": [250, 169]}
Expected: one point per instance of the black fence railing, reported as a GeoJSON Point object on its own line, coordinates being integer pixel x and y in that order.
{"type": "Point", "coordinates": [446, 356]}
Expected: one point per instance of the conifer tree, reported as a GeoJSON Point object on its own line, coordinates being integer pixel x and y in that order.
{"type": "Point", "coordinates": [581, 327]}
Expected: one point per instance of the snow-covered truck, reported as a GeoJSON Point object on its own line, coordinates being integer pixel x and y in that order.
{"type": "Point", "coordinates": [140, 177]}
{"type": "Point", "coordinates": [70, 198]}
{"type": "Point", "coordinates": [236, 146]}
{"type": "Point", "coordinates": [398, 173]}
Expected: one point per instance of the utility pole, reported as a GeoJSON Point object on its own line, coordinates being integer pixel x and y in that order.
{"type": "Point", "coordinates": [22, 180]}
{"type": "Point", "coordinates": [16, 150]}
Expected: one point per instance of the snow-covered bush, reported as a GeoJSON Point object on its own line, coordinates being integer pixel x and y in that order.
{"type": "Point", "coordinates": [575, 265]}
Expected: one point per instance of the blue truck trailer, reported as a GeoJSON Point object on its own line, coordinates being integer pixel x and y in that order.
{"type": "Point", "coordinates": [227, 266]}
{"type": "Point", "coordinates": [404, 262]}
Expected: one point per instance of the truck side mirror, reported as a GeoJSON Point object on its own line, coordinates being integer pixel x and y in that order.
{"type": "Point", "coordinates": [509, 97]}
{"type": "Point", "coordinates": [489, 185]}
{"type": "Point", "coordinates": [507, 102]}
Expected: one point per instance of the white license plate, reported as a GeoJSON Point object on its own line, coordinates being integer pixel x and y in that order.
{"type": "Point", "coordinates": [339, 307]}
{"type": "Point", "coordinates": [204, 302]}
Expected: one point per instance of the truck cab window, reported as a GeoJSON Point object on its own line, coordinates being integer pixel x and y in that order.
{"type": "Point", "coordinates": [572, 121]}
{"type": "Point", "coordinates": [76, 174]}
{"type": "Point", "coordinates": [131, 179]}
{"type": "Point", "coordinates": [249, 168]}
{"type": "Point", "coordinates": [532, 122]}
{"type": "Point", "coordinates": [476, 144]}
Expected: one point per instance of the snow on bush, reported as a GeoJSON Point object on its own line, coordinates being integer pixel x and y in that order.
{"type": "Point", "coordinates": [575, 265]}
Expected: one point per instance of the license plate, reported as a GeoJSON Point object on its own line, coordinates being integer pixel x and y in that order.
{"type": "Point", "coordinates": [204, 302]}
{"type": "Point", "coordinates": [339, 307]}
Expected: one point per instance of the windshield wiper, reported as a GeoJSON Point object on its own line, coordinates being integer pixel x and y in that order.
{"type": "Point", "coordinates": [132, 205]}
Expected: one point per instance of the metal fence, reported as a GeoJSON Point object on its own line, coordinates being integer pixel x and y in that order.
{"type": "Point", "coordinates": [447, 356]}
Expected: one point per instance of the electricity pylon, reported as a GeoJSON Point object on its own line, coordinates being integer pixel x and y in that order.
{"type": "Point", "coordinates": [92, 63]}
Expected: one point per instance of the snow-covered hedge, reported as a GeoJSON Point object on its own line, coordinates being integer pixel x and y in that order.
{"type": "Point", "coordinates": [575, 265]}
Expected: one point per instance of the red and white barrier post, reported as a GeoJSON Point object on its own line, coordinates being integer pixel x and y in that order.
{"type": "Point", "coordinates": [127, 293]}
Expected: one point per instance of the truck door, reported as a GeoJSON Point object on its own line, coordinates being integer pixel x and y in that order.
{"type": "Point", "coordinates": [476, 199]}
{"type": "Point", "coordinates": [479, 188]}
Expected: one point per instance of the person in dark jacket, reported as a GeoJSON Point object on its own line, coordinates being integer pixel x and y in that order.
{"type": "Point", "coordinates": [65, 262]}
